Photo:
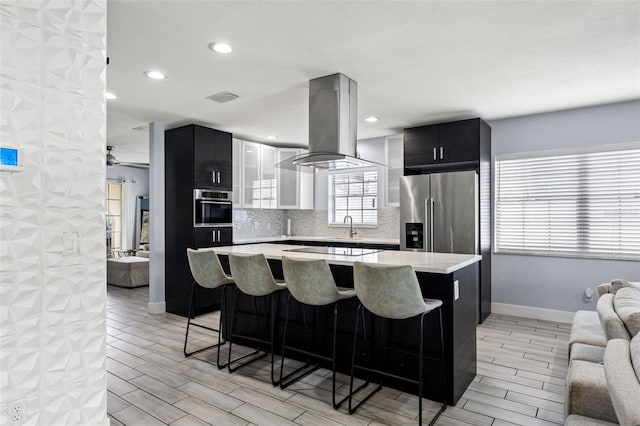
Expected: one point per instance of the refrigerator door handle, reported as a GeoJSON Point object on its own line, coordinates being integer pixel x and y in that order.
{"type": "Point", "coordinates": [431, 220]}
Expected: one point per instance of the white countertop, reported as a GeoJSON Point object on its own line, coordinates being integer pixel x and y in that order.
{"type": "Point", "coordinates": [439, 263]}
{"type": "Point", "coordinates": [366, 240]}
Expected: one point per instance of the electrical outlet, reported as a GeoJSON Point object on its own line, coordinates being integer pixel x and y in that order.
{"type": "Point", "coordinates": [17, 412]}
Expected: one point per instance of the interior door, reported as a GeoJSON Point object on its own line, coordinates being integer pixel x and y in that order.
{"type": "Point", "coordinates": [455, 212]}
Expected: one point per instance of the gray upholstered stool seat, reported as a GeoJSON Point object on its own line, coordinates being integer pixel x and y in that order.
{"type": "Point", "coordinates": [253, 277]}
{"type": "Point", "coordinates": [207, 273]}
{"type": "Point", "coordinates": [311, 283]}
{"type": "Point", "coordinates": [393, 292]}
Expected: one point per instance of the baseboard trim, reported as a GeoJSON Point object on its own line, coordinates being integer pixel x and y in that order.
{"type": "Point", "coordinates": [533, 312]}
{"type": "Point", "coordinates": [157, 308]}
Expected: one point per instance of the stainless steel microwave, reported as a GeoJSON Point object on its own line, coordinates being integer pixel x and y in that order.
{"type": "Point", "coordinates": [212, 208]}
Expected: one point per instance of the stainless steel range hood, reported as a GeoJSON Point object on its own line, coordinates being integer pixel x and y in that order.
{"type": "Point", "coordinates": [332, 126]}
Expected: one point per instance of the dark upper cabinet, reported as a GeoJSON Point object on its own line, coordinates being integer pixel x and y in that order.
{"type": "Point", "coordinates": [212, 159]}
{"type": "Point", "coordinates": [459, 141]}
{"type": "Point", "coordinates": [442, 144]}
{"type": "Point", "coordinates": [421, 145]}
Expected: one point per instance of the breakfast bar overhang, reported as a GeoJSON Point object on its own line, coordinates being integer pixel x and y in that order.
{"type": "Point", "coordinates": [452, 278]}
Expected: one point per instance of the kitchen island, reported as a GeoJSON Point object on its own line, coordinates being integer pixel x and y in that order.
{"type": "Point", "coordinates": [452, 278]}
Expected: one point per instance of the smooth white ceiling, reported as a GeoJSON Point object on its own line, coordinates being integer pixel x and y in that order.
{"type": "Point", "coordinates": [415, 62]}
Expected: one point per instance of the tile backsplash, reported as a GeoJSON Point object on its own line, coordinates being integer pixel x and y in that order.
{"type": "Point", "coordinates": [253, 223]}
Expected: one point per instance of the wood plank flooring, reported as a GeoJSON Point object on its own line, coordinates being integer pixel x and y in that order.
{"type": "Point", "coordinates": [522, 365]}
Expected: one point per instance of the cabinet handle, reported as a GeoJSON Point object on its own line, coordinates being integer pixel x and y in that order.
{"type": "Point", "coordinates": [441, 153]}
{"type": "Point", "coordinates": [218, 175]}
{"type": "Point", "coordinates": [213, 236]}
{"type": "Point", "coordinates": [435, 154]}
{"type": "Point", "coordinates": [213, 177]}
{"type": "Point", "coordinates": [217, 236]}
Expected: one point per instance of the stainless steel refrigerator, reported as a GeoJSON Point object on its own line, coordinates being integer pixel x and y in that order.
{"type": "Point", "coordinates": [439, 212]}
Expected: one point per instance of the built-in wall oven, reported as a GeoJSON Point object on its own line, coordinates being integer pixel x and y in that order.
{"type": "Point", "coordinates": [212, 208]}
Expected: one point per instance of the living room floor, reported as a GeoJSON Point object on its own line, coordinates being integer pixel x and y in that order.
{"type": "Point", "coordinates": [522, 364]}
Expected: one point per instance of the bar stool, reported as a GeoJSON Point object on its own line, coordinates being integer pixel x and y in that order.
{"type": "Point", "coordinates": [207, 273]}
{"type": "Point", "coordinates": [253, 277]}
{"type": "Point", "coordinates": [311, 283]}
{"type": "Point", "coordinates": [393, 292]}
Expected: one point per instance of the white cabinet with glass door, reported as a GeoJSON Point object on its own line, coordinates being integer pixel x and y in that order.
{"type": "Point", "coordinates": [269, 185]}
{"type": "Point", "coordinates": [258, 176]}
{"type": "Point", "coordinates": [295, 186]}
{"type": "Point", "coordinates": [394, 159]}
{"type": "Point", "coordinates": [250, 195]}
{"type": "Point", "coordinates": [237, 173]}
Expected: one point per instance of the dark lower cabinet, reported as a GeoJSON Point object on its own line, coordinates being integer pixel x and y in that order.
{"type": "Point", "coordinates": [211, 237]}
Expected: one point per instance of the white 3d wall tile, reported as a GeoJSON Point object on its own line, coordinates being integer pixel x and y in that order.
{"type": "Point", "coordinates": [52, 305]}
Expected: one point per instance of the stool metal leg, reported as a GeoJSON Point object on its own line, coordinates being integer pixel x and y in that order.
{"type": "Point", "coordinates": [301, 371]}
{"type": "Point", "coordinates": [444, 368]}
{"type": "Point", "coordinates": [353, 361]}
{"type": "Point", "coordinates": [333, 360]}
{"type": "Point", "coordinates": [274, 304]}
{"type": "Point", "coordinates": [189, 324]}
{"type": "Point", "coordinates": [257, 354]}
{"type": "Point", "coordinates": [420, 369]}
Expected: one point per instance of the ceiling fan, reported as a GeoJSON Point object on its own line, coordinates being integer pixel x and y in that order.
{"type": "Point", "coordinates": [113, 161]}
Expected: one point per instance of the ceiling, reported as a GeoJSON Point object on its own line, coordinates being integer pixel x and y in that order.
{"type": "Point", "coordinates": [415, 62]}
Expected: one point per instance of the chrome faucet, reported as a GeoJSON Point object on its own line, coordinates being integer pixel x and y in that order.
{"type": "Point", "coordinates": [352, 232]}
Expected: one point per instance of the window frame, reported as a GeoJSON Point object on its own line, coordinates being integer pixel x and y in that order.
{"type": "Point", "coordinates": [586, 207]}
{"type": "Point", "coordinates": [331, 197]}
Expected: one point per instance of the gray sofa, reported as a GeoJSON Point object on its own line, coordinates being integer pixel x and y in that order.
{"type": "Point", "coordinates": [608, 393]}
{"type": "Point", "coordinates": [589, 398]}
{"type": "Point", "coordinates": [592, 329]}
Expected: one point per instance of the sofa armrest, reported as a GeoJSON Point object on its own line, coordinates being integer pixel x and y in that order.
{"type": "Point", "coordinates": [624, 386]}
{"type": "Point", "coordinates": [611, 323]}
{"type": "Point", "coordinates": [587, 393]}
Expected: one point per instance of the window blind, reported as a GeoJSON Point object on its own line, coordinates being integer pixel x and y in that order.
{"type": "Point", "coordinates": [581, 204]}
{"type": "Point", "coordinates": [355, 194]}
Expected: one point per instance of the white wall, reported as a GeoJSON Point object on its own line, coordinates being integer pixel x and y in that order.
{"type": "Point", "coordinates": [157, 302]}
{"type": "Point", "coordinates": [52, 303]}
{"type": "Point", "coordinates": [552, 282]}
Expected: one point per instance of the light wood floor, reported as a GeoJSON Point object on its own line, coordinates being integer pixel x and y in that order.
{"type": "Point", "coordinates": [522, 365]}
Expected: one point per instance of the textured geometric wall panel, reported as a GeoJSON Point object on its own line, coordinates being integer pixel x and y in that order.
{"type": "Point", "coordinates": [52, 300]}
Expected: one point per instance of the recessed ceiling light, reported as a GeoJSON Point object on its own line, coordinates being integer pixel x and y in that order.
{"type": "Point", "coordinates": [371, 119]}
{"type": "Point", "coordinates": [155, 75]}
{"type": "Point", "coordinates": [272, 137]}
{"type": "Point", "coordinates": [220, 47]}
{"type": "Point", "coordinates": [110, 95]}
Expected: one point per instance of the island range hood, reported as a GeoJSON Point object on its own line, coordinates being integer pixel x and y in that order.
{"type": "Point", "coordinates": [332, 126]}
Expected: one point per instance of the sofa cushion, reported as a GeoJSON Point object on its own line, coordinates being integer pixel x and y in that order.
{"type": "Point", "coordinates": [580, 351]}
{"type": "Point", "coordinates": [622, 381]}
{"type": "Point", "coordinates": [627, 305]}
{"type": "Point", "coordinates": [586, 329]}
{"type": "Point", "coordinates": [618, 284]}
{"type": "Point", "coordinates": [612, 324]}
{"type": "Point", "coordinates": [587, 393]}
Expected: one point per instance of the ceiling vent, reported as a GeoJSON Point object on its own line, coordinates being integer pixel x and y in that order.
{"type": "Point", "coordinates": [223, 97]}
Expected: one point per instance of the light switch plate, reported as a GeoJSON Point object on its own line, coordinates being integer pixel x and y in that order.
{"type": "Point", "coordinates": [69, 242]}
{"type": "Point", "coordinates": [456, 290]}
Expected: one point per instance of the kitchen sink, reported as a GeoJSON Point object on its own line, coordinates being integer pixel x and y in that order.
{"type": "Point", "coordinates": [339, 251]}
